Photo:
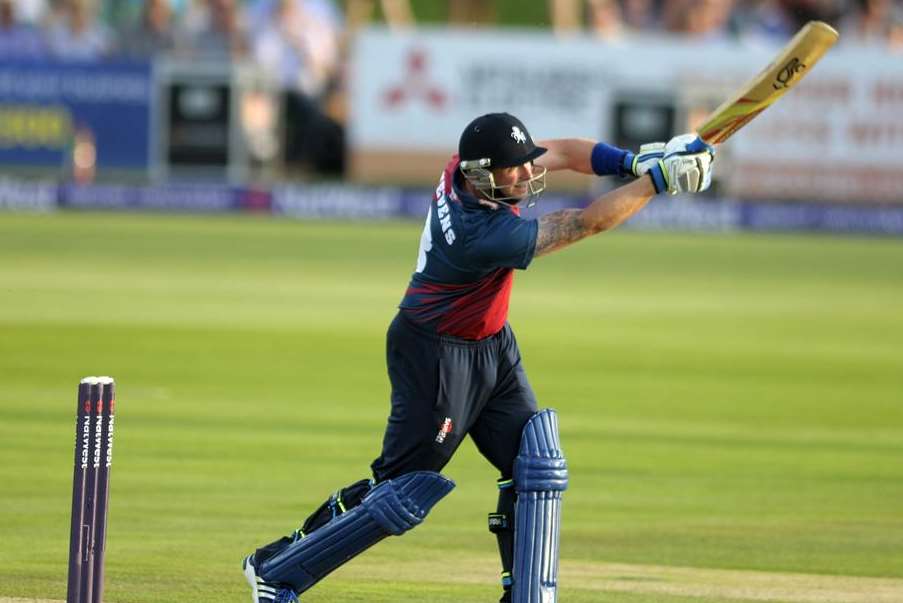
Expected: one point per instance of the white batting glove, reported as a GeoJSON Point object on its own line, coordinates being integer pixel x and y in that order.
{"type": "Point", "coordinates": [648, 156]}
{"type": "Point", "coordinates": [686, 166]}
{"type": "Point", "coordinates": [686, 144]}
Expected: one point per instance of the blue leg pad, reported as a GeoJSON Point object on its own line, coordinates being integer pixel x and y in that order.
{"type": "Point", "coordinates": [540, 476]}
{"type": "Point", "coordinates": [391, 508]}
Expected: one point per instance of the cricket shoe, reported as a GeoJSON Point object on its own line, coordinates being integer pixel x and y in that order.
{"type": "Point", "coordinates": [263, 591]}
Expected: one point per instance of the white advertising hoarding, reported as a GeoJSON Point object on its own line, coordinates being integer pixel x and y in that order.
{"type": "Point", "coordinates": [837, 136]}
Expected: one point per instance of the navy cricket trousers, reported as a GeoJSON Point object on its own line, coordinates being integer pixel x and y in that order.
{"type": "Point", "coordinates": [444, 388]}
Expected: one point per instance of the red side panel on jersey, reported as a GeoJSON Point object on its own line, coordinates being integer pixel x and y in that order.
{"type": "Point", "coordinates": [465, 271]}
{"type": "Point", "coordinates": [472, 311]}
{"type": "Point", "coordinates": [484, 311]}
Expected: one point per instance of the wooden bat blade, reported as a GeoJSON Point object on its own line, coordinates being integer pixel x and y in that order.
{"type": "Point", "coordinates": [795, 60]}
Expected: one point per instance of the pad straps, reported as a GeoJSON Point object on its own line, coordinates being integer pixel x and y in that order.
{"type": "Point", "coordinates": [501, 523]}
{"type": "Point", "coordinates": [391, 508]}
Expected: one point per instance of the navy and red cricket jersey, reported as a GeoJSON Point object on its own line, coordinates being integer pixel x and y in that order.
{"type": "Point", "coordinates": [465, 267]}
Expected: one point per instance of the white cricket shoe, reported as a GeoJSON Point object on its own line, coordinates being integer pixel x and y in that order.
{"type": "Point", "coordinates": [263, 591]}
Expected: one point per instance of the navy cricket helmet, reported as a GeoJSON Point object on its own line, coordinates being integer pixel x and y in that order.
{"type": "Point", "coordinates": [499, 140]}
{"type": "Point", "coordinates": [499, 137]}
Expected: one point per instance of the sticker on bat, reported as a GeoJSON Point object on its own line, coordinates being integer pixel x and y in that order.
{"type": "Point", "coordinates": [786, 75]}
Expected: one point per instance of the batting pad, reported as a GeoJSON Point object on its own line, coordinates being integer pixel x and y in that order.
{"type": "Point", "coordinates": [391, 508]}
{"type": "Point", "coordinates": [540, 476]}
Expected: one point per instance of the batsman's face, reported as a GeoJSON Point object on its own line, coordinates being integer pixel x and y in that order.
{"type": "Point", "coordinates": [513, 181]}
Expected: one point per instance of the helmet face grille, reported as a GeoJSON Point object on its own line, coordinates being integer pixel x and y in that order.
{"type": "Point", "coordinates": [483, 180]}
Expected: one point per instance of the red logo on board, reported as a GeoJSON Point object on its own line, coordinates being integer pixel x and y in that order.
{"type": "Point", "coordinates": [416, 84]}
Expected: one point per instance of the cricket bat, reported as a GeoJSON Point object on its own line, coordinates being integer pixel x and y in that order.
{"type": "Point", "coordinates": [796, 59]}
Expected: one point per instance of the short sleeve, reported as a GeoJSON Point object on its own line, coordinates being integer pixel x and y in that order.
{"type": "Point", "coordinates": [506, 241]}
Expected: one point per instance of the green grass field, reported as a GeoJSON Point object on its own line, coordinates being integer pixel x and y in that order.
{"type": "Point", "coordinates": [731, 408]}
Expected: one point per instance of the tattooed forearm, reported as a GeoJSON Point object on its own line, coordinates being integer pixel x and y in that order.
{"type": "Point", "coordinates": [559, 229]}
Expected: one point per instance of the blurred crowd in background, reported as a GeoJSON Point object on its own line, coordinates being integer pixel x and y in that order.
{"type": "Point", "coordinates": [302, 44]}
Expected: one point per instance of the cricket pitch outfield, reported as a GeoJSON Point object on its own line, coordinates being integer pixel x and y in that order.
{"type": "Point", "coordinates": [611, 582]}
{"type": "Point", "coordinates": [730, 408]}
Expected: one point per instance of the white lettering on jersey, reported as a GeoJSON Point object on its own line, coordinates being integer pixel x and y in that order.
{"type": "Point", "coordinates": [440, 190]}
{"type": "Point", "coordinates": [445, 219]}
{"type": "Point", "coordinates": [442, 212]}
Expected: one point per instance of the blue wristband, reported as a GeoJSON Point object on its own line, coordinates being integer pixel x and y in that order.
{"type": "Point", "coordinates": [609, 161]}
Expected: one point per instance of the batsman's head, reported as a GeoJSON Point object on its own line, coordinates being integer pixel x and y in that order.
{"type": "Point", "coordinates": [497, 154]}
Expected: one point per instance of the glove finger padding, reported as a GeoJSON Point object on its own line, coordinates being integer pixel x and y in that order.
{"type": "Point", "coordinates": [685, 167]}
{"type": "Point", "coordinates": [647, 157]}
{"type": "Point", "coordinates": [690, 173]}
{"type": "Point", "coordinates": [706, 161]}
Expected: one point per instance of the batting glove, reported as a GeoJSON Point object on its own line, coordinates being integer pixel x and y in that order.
{"type": "Point", "coordinates": [650, 153]}
{"type": "Point", "coordinates": [686, 166]}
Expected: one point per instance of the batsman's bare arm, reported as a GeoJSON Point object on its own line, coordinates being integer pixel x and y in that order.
{"type": "Point", "coordinates": [561, 228]}
{"type": "Point", "coordinates": [567, 154]}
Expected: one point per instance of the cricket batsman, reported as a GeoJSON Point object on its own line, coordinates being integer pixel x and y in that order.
{"type": "Point", "coordinates": [454, 365]}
